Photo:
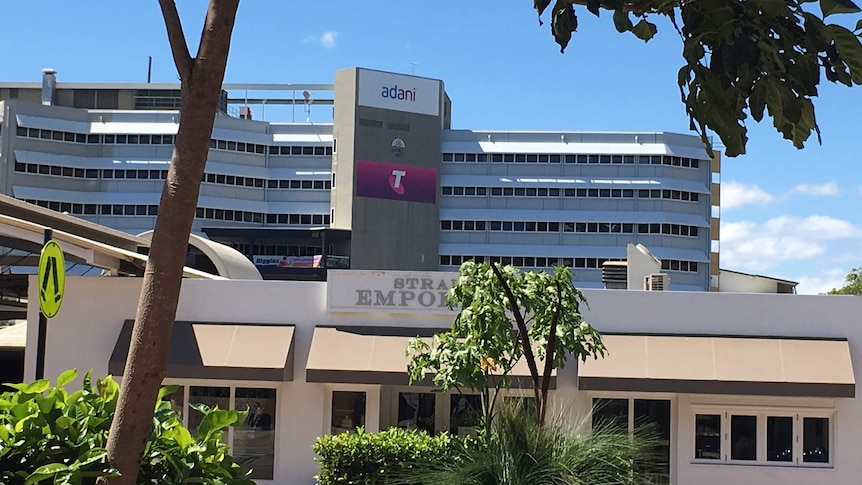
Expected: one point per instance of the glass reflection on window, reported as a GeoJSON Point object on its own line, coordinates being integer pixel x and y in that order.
{"type": "Point", "coordinates": [348, 411]}
{"type": "Point", "coordinates": [815, 440]}
{"type": "Point", "coordinates": [254, 440]}
{"type": "Point", "coordinates": [416, 411]}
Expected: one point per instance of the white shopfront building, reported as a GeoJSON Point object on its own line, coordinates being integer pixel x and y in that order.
{"type": "Point", "coordinates": [747, 388]}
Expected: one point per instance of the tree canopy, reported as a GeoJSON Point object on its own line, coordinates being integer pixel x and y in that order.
{"type": "Point", "coordinates": [506, 315]}
{"type": "Point", "coordinates": [742, 58]}
{"type": "Point", "coordinates": [853, 286]}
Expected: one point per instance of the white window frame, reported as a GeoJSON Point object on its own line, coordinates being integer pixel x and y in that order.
{"type": "Point", "coordinates": [762, 413]}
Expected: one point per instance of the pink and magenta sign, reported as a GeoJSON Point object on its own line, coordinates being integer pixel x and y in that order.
{"type": "Point", "coordinates": [392, 181]}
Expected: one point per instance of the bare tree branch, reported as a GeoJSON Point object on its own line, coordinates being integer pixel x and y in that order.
{"type": "Point", "coordinates": [177, 38]}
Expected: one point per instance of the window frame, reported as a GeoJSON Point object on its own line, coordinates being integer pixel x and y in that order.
{"type": "Point", "coordinates": [798, 413]}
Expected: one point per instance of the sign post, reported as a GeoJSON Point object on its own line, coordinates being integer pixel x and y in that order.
{"type": "Point", "coordinates": [51, 285]}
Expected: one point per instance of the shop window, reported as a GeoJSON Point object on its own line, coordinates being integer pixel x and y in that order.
{"type": "Point", "coordinates": [815, 440]}
{"type": "Point", "coordinates": [465, 414]}
{"type": "Point", "coordinates": [779, 438]}
{"type": "Point", "coordinates": [416, 410]}
{"type": "Point", "coordinates": [254, 440]}
{"type": "Point", "coordinates": [348, 411]}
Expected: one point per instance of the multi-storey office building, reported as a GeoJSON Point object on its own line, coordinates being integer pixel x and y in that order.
{"type": "Point", "coordinates": [386, 184]}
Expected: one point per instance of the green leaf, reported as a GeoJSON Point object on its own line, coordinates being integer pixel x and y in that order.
{"type": "Point", "coordinates": [37, 387]}
{"type": "Point", "coordinates": [66, 377]}
{"type": "Point", "coordinates": [644, 30]}
{"type": "Point", "coordinates": [858, 25]}
{"type": "Point", "coordinates": [540, 6]}
{"type": "Point", "coordinates": [622, 22]}
{"type": "Point", "coordinates": [593, 6]}
{"type": "Point", "coordinates": [90, 456]}
{"type": "Point", "coordinates": [563, 23]}
{"type": "Point", "coordinates": [216, 421]}
{"type": "Point", "coordinates": [828, 7]}
{"type": "Point", "coordinates": [44, 472]}
{"type": "Point", "coordinates": [850, 50]}
{"type": "Point", "coordinates": [181, 436]}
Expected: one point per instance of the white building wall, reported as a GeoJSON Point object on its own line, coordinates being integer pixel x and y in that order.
{"type": "Point", "coordinates": [83, 335]}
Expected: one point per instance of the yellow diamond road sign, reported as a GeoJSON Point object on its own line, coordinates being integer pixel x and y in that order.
{"type": "Point", "coordinates": [52, 279]}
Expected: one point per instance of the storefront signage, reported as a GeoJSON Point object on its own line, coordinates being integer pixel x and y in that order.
{"type": "Point", "coordinates": [388, 291]}
{"type": "Point", "coordinates": [398, 92]}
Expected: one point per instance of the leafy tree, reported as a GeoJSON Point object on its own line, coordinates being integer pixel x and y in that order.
{"type": "Point", "coordinates": [742, 57]}
{"type": "Point", "coordinates": [853, 286]}
{"type": "Point", "coordinates": [481, 349]}
{"type": "Point", "coordinates": [201, 79]}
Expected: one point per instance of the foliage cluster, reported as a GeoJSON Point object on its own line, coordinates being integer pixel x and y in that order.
{"type": "Point", "coordinates": [853, 286]}
{"type": "Point", "coordinates": [361, 458]}
{"type": "Point", "coordinates": [506, 315]}
{"type": "Point", "coordinates": [48, 434]}
{"type": "Point", "coordinates": [742, 57]}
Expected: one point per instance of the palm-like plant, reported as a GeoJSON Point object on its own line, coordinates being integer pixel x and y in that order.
{"type": "Point", "coordinates": [523, 452]}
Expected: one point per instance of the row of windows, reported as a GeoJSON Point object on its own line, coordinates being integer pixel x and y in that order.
{"type": "Point", "coordinates": [582, 159]}
{"type": "Point", "coordinates": [556, 192]}
{"type": "Point", "coordinates": [277, 250]}
{"type": "Point", "coordinates": [200, 213]}
{"type": "Point", "coordinates": [750, 436]}
{"type": "Point", "coordinates": [94, 173]}
{"type": "Point", "coordinates": [545, 262]}
{"type": "Point", "coordinates": [585, 227]}
{"type": "Point", "coordinates": [127, 139]}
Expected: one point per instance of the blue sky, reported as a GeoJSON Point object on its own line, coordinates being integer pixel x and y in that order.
{"type": "Point", "coordinates": [787, 213]}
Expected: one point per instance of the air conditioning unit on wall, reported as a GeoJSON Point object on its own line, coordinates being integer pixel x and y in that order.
{"type": "Point", "coordinates": [656, 282]}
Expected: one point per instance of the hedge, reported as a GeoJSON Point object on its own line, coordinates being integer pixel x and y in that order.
{"type": "Point", "coordinates": [361, 458]}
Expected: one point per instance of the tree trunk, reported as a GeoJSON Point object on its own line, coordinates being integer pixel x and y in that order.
{"type": "Point", "coordinates": [201, 79]}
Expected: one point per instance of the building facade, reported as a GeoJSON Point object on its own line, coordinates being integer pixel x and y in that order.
{"type": "Point", "coordinates": [384, 183]}
{"type": "Point", "coordinates": [742, 387]}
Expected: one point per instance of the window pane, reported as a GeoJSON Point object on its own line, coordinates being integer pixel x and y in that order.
{"type": "Point", "coordinates": [465, 413]}
{"type": "Point", "coordinates": [815, 440]}
{"type": "Point", "coordinates": [611, 412]}
{"type": "Point", "coordinates": [707, 437]}
{"type": "Point", "coordinates": [743, 437]}
{"type": "Point", "coordinates": [254, 440]}
{"type": "Point", "coordinates": [779, 438]}
{"type": "Point", "coordinates": [656, 412]}
{"type": "Point", "coordinates": [212, 397]}
{"type": "Point", "coordinates": [416, 410]}
{"type": "Point", "coordinates": [348, 411]}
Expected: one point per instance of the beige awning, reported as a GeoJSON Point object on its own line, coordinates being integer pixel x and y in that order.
{"type": "Point", "coordinates": [722, 365]}
{"type": "Point", "coordinates": [373, 355]}
{"type": "Point", "coordinates": [221, 351]}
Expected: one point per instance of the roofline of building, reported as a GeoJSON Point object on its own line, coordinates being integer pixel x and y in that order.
{"type": "Point", "coordinates": [779, 280]}
{"type": "Point", "coordinates": [174, 86]}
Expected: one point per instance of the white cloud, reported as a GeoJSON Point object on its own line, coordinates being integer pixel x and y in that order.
{"type": "Point", "coordinates": [735, 195]}
{"type": "Point", "coordinates": [828, 189]}
{"type": "Point", "coordinates": [326, 39]}
{"type": "Point", "coordinates": [752, 246]}
{"type": "Point", "coordinates": [821, 283]}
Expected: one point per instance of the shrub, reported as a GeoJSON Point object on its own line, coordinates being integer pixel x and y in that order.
{"type": "Point", "coordinates": [362, 458]}
{"type": "Point", "coordinates": [523, 452]}
{"type": "Point", "coordinates": [49, 434]}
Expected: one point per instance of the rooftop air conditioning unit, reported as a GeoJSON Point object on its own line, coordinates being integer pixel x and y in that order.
{"type": "Point", "coordinates": [656, 282]}
{"type": "Point", "coordinates": [245, 112]}
{"type": "Point", "coordinates": [615, 275]}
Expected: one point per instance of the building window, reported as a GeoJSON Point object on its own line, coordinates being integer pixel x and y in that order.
{"type": "Point", "coordinates": [628, 415]}
{"type": "Point", "coordinates": [208, 396]}
{"type": "Point", "coordinates": [416, 410]}
{"type": "Point", "coordinates": [348, 411]}
{"type": "Point", "coordinates": [763, 436]}
{"type": "Point", "coordinates": [254, 441]}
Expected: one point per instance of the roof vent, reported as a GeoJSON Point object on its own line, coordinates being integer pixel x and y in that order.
{"type": "Point", "coordinates": [615, 275]}
{"type": "Point", "coordinates": [49, 86]}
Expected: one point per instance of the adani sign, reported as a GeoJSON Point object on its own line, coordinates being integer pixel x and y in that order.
{"type": "Point", "coordinates": [379, 180]}
{"type": "Point", "coordinates": [398, 92]}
